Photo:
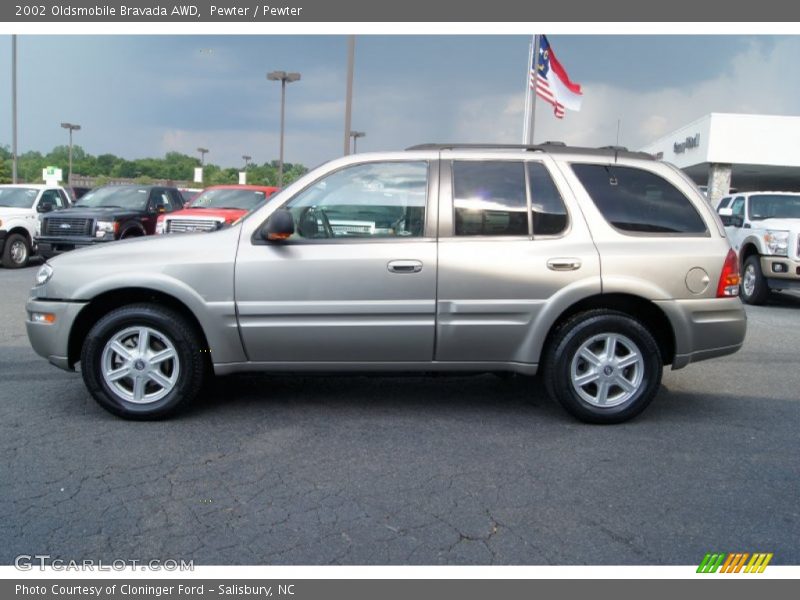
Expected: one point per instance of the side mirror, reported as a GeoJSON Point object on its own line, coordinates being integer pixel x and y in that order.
{"type": "Point", "coordinates": [279, 226]}
{"type": "Point", "coordinates": [737, 220]}
{"type": "Point", "coordinates": [725, 215]}
{"type": "Point", "coordinates": [44, 207]}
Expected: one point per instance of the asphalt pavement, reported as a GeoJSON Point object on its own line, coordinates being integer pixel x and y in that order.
{"type": "Point", "coordinates": [405, 470]}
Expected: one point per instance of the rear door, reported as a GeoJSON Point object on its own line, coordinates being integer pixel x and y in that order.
{"type": "Point", "coordinates": [510, 242]}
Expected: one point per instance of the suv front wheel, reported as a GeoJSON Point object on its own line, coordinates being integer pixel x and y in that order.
{"type": "Point", "coordinates": [754, 284]}
{"type": "Point", "coordinates": [603, 367]}
{"type": "Point", "coordinates": [17, 251]}
{"type": "Point", "coordinates": [143, 361]}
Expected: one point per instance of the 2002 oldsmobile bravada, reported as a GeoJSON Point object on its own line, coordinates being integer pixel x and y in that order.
{"type": "Point", "coordinates": [593, 267]}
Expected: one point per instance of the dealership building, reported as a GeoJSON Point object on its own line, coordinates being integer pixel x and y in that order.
{"type": "Point", "coordinates": [731, 151]}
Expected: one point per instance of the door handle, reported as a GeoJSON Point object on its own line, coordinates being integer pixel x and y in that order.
{"type": "Point", "coordinates": [564, 264]}
{"type": "Point", "coordinates": [404, 266]}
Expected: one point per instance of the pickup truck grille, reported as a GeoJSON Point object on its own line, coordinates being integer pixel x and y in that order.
{"type": "Point", "coordinates": [191, 225]}
{"type": "Point", "coordinates": [67, 227]}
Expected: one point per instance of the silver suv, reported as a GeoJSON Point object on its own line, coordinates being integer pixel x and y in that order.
{"type": "Point", "coordinates": [593, 267]}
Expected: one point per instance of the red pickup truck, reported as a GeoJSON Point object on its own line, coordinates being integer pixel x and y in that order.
{"type": "Point", "coordinates": [216, 207]}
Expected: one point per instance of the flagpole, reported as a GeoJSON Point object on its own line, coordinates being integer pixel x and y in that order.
{"type": "Point", "coordinates": [526, 119]}
{"type": "Point", "coordinates": [534, 61]}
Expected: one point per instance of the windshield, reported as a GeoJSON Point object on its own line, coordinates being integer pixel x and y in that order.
{"type": "Point", "coordinates": [239, 199]}
{"type": "Point", "coordinates": [17, 197]}
{"type": "Point", "coordinates": [117, 196]}
{"type": "Point", "coordinates": [774, 206]}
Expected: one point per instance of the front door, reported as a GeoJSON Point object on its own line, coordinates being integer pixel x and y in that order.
{"type": "Point", "coordinates": [357, 280]}
{"type": "Point", "coordinates": [736, 230]}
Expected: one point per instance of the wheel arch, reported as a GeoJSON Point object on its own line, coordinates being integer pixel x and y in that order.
{"type": "Point", "coordinates": [21, 230]}
{"type": "Point", "coordinates": [131, 229]}
{"type": "Point", "coordinates": [749, 248]}
{"type": "Point", "coordinates": [110, 300]}
{"type": "Point", "coordinates": [637, 307]}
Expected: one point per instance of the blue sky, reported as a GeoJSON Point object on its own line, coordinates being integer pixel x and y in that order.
{"type": "Point", "coordinates": [145, 95]}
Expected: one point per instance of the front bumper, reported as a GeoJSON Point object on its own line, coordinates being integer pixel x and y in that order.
{"type": "Point", "coordinates": [51, 340]}
{"type": "Point", "coordinates": [53, 246]}
{"type": "Point", "coordinates": [782, 273]}
{"type": "Point", "coordinates": [705, 328]}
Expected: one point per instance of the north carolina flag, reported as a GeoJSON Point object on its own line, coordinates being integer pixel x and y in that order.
{"type": "Point", "coordinates": [551, 82]}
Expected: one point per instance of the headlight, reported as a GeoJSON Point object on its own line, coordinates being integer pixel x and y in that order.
{"type": "Point", "coordinates": [44, 274]}
{"type": "Point", "coordinates": [777, 242]}
{"type": "Point", "coordinates": [160, 226]}
{"type": "Point", "coordinates": [105, 227]}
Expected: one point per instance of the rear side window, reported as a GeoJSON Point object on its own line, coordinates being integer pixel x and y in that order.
{"type": "Point", "coordinates": [635, 200]}
{"type": "Point", "coordinates": [549, 213]}
{"type": "Point", "coordinates": [490, 199]}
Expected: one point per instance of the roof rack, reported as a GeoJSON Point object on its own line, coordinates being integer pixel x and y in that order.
{"type": "Point", "coordinates": [547, 147]}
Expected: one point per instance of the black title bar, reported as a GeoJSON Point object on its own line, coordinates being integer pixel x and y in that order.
{"type": "Point", "coordinates": [454, 11]}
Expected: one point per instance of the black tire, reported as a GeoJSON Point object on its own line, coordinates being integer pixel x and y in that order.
{"type": "Point", "coordinates": [192, 360]}
{"type": "Point", "coordinates": [760, 289]}
{"type": "Point", "coordinates": [643, 377]}
{"type": "Point", "coordinates": [16, 252]}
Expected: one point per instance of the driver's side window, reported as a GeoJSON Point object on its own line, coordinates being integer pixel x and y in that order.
{"type": "Point", "coordinates": [737, 208]}
{"type": "Point", "coordinates": [51, 199]}
{"type": "Point", "coordinates": [369, 200]}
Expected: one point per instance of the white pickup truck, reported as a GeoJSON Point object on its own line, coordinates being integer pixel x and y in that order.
{"type": "Point", "coordinates": [764, 229]}
{"type": "Point", "coordinates": [19, 219]}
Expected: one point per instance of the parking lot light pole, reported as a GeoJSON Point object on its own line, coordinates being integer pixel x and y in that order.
{"type": "Point", "coordinates": [284, 78]}
{"type": "Point", "coordinates": [72, 127]}
{"type": "Point", "coordinates": [355, 135]}
{"type": "Point", "coordinates": [14, 109]}
{"type": "Point", "coordinates": [246, 158]}
{"type": "Point", "coordinates": [203, 152]}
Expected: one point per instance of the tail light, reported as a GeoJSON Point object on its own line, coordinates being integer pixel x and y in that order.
{"type": "Point", "coordinates": [729, 279]}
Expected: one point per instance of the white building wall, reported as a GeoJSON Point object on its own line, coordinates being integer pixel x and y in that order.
{"type": "Point", "coordinates": [734, 139]}
{"type": "Point", "coordinates": [665, 145]}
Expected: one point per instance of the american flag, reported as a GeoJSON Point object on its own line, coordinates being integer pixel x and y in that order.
{"type": "Point", "coordinates": [551, 83]}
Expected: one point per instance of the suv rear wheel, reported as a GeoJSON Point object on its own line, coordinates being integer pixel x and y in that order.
{"type": "Point", "coordinates": [143, 361]}
{"type": "Point", "coordinates": [754, 285]}
{"type": "Point", "coordinates": [603, 367]}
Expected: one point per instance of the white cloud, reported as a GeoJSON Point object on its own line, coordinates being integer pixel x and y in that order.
{"type": "Point", "coordinates": [755, 83]}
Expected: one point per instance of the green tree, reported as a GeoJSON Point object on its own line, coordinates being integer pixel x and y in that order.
{"type": "Point", "coordinates": [5, 172]}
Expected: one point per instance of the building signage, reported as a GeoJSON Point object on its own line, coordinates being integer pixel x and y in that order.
{"type": "Point", "coordinates": [52, 175]}
{"type": "Point", "coordinates": [689, 142]}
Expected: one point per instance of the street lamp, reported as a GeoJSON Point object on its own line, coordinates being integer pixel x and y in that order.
{"type": "Point", "coordinates": [203, 152]}
{"type": "Point", "coordinates": [72, 127]}
{"type": "Point", "coordinates": [355, 135]}
{"type": "Point", "coordinates": [246, 160]}
{"type": "Point", "coordinates": [284, 78]}
{"type": "Point", "coordinates": [14, 108]}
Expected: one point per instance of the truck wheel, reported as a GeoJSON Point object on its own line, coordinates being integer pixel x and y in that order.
{"type": "Point", "coordinates": [603, 367]}
{"type": "Point", "coordinates": [754, 284]}
{"type": "Point", "coordinates": [143, 361]}
{"type": "Point", "coordinates": [17, 251]}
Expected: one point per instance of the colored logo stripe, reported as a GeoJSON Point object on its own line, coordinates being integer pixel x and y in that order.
{"type": "Point", "coordinates": [710, 563]}
{"type": "Point", "coordinates": [734, 562]}
{"type": "Point", "coordinates": [758, 563]}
